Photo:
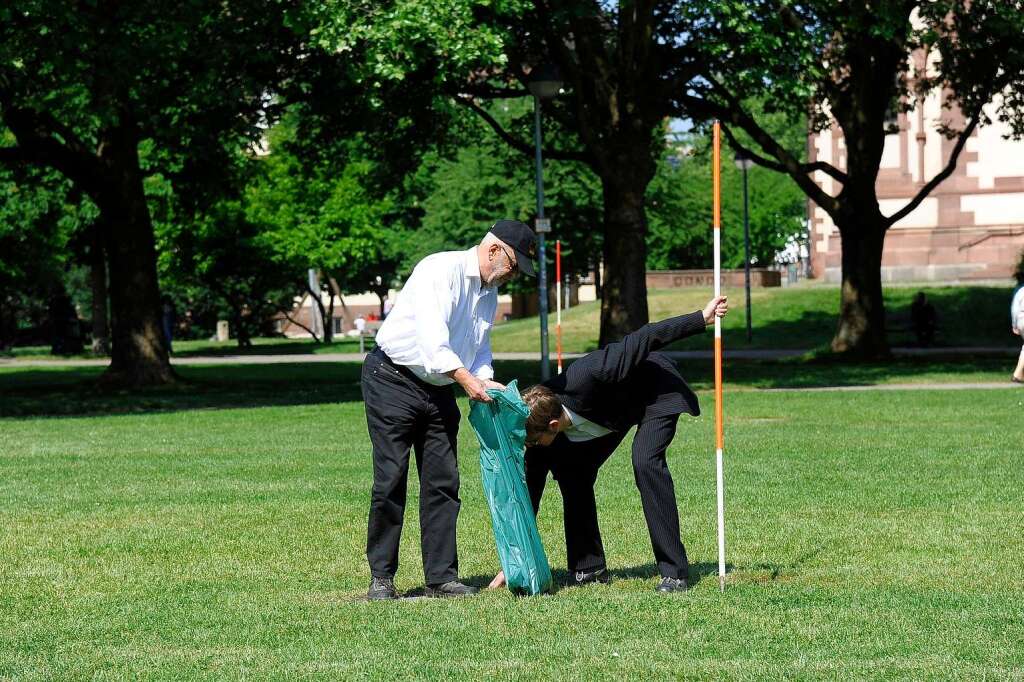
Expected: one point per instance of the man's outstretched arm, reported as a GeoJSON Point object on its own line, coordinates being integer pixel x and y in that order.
{"type": "Point", "coordinates": [616, 360]}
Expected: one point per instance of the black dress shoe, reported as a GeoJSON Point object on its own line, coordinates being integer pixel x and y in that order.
{"type": "Point", "coordinates": [381, 588]}
{"type": "Point", "coordinates": [672, 585]}
{"type": "Point", "coordinates": [599, 575]}
{"type": "Point", "coordinates": [452, 588]}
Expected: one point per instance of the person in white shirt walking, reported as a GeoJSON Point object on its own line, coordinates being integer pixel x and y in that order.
{"type": "Point", "coordinates": [1017, 322]}
{"type": "Point", "coordinates": [437, 334]}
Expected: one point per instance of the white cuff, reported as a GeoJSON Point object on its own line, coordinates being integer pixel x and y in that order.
{"type": "Point", "coordinates": [484, 373]}
{"type": "Point", "coordinates": [441, 361]}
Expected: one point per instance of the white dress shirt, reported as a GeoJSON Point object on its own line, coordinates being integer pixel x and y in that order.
{"type": "Point", "coordinates": [442, 319]}
{"type": "Point", "coordinates": [582, 429]}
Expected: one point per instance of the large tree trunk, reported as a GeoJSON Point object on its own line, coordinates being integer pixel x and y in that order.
{"type": "Point", "coordinates": [624, 287]}
{"type": "Point", "coordinates": [139, 352]}
{"type": "Point", "coordinates": [861, 329]}
{"type": "Point", "coordinates": [98, 279]}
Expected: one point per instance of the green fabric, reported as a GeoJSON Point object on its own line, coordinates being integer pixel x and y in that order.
{"type": "Point", "coordinates": [501, 429]}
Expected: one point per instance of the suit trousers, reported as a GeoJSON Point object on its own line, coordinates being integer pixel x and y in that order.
{"type": "Point", "coordinates": [404, 413]}
{"type": "Point", "coordinates": [575, 467]}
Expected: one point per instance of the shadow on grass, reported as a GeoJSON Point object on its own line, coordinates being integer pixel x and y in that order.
{"type": "Point", "coordinates": [697, 572]}
{"type": "Point", "coordinates": [73, 391]}
{"type": "Point", "coordinates": [828, 370]}
{"type": "Point", "coordinates": [274, 348]}
{"type": "Point", "coordinates": [817, 371]}
{"type": "Point", "coordinates": [563, 580]}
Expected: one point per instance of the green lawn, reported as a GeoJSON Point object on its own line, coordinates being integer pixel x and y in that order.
{"type": "Point", "coordinates": [800, 317]}
{"type": "Point", "coordinates": [217, 530]}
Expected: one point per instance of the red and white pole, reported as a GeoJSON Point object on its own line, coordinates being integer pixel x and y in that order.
{"type": "Point", "coordinates": [719, 438]}
{"type": "Point", "coordinates": [558, 305]}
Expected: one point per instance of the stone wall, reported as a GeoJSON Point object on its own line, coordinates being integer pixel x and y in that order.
{"type": "Point", "coordinates": [674, 279]}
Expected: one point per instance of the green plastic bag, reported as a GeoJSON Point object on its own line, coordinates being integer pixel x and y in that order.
{"type": "Point", "coordinates": [501, 429]}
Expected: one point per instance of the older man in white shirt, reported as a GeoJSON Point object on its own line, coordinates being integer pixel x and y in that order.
{"type": "Point", "coordinates": [437, 334]}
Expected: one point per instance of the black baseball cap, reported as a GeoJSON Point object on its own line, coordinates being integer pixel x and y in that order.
{"type": "Point", "coordinates": [522, 240]}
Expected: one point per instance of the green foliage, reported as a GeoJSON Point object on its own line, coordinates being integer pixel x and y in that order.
{"type": "Point", "coordinates": [189, 76]}
{"type": "Point", "coordinates": [680, 209]}
{"type": "Point", "coordinates": [404, 34]}
{"type": "Point", "coordinates": [40, 217]}
{"type": "Point", "coordinates": [323, 215]}
{"type": "Point", "coordinates": [465, 188]}
{"type": "Point", "coordinates": [217, 267]}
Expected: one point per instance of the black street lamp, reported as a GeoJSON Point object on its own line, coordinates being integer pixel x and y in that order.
{"type": "Point", "coordinates": [544, 82]}
{"type": "Point", "coordinates": [744, 162]}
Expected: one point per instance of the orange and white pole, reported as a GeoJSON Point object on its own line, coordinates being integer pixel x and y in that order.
{"type": "Point", "coordinates": [558, 305]}
{"type": "Point", "coordinates": [719, 438]}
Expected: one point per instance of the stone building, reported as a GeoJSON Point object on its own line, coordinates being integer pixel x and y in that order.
{"type": "Point", "coordinates": [970, 228]}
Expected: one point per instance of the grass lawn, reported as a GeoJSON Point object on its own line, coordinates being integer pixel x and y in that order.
{"type": "Point", "coordinates": [217, 531]}
{"type": "Point", "coordinates": [800, 317]}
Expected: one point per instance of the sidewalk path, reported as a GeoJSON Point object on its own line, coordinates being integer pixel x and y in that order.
{"type": "Point", "coordinates": [982, 385]}
{"type": "Point", "coordinates": [758, 354]}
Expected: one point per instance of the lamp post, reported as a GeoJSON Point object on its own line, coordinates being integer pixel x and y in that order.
{"type": "Point", "coordinates": [544, 82]}
{"type": "Point", "coordinates": [744, 162]}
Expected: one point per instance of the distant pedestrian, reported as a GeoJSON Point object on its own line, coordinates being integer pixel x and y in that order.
{"type": "Point", "coordinates": [923, 320]}
{"type": "Point", "coordinates": [168, 320]}
{"type": "Point", "coordinates": [67, 330]}
{"type": "Point", "coordinates": [1017, 323]}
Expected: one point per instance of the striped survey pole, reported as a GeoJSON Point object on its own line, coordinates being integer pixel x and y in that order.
{"type": "Point", "coordinates": [716, 175]}
{"type": "Point", "coordinates": [558, 295]}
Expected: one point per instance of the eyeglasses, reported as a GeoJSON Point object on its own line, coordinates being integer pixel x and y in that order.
{"type": "Point", "coordinates": [513, 266]}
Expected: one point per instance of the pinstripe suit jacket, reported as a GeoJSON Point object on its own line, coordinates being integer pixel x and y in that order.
{"type": "Point", "coordinates": [627, 382]}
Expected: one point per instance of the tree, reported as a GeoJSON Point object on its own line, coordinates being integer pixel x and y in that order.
{"type": "Point", "coordinates": [464, 186]}
{"type": "Point", "coordinates": [107, 92]}
{"type": "Point", "coordinates": [35, 229]}
{"type": "Point", "coordinates": [221, 267]}
{"type": "Point", "coordinates": [319, 213]}
{"type": "Point", "coordinates": [680, 203]}
{"type": "Point", "coordinates": [623, 65]}
{"type": "Point", "coordinates": [857, 64]}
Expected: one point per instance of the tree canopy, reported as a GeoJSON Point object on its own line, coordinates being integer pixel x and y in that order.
{"type": "Point", "coordinates": [853, 65]}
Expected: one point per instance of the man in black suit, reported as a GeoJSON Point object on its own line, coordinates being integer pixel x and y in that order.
{"type": "Point", "coordinates": [578, 418]}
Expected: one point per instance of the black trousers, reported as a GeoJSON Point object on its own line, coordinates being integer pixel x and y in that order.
{"type": "Point", "coordinates": [575, 467]}
{"type": "Point", "coordinates": [403, 414]}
